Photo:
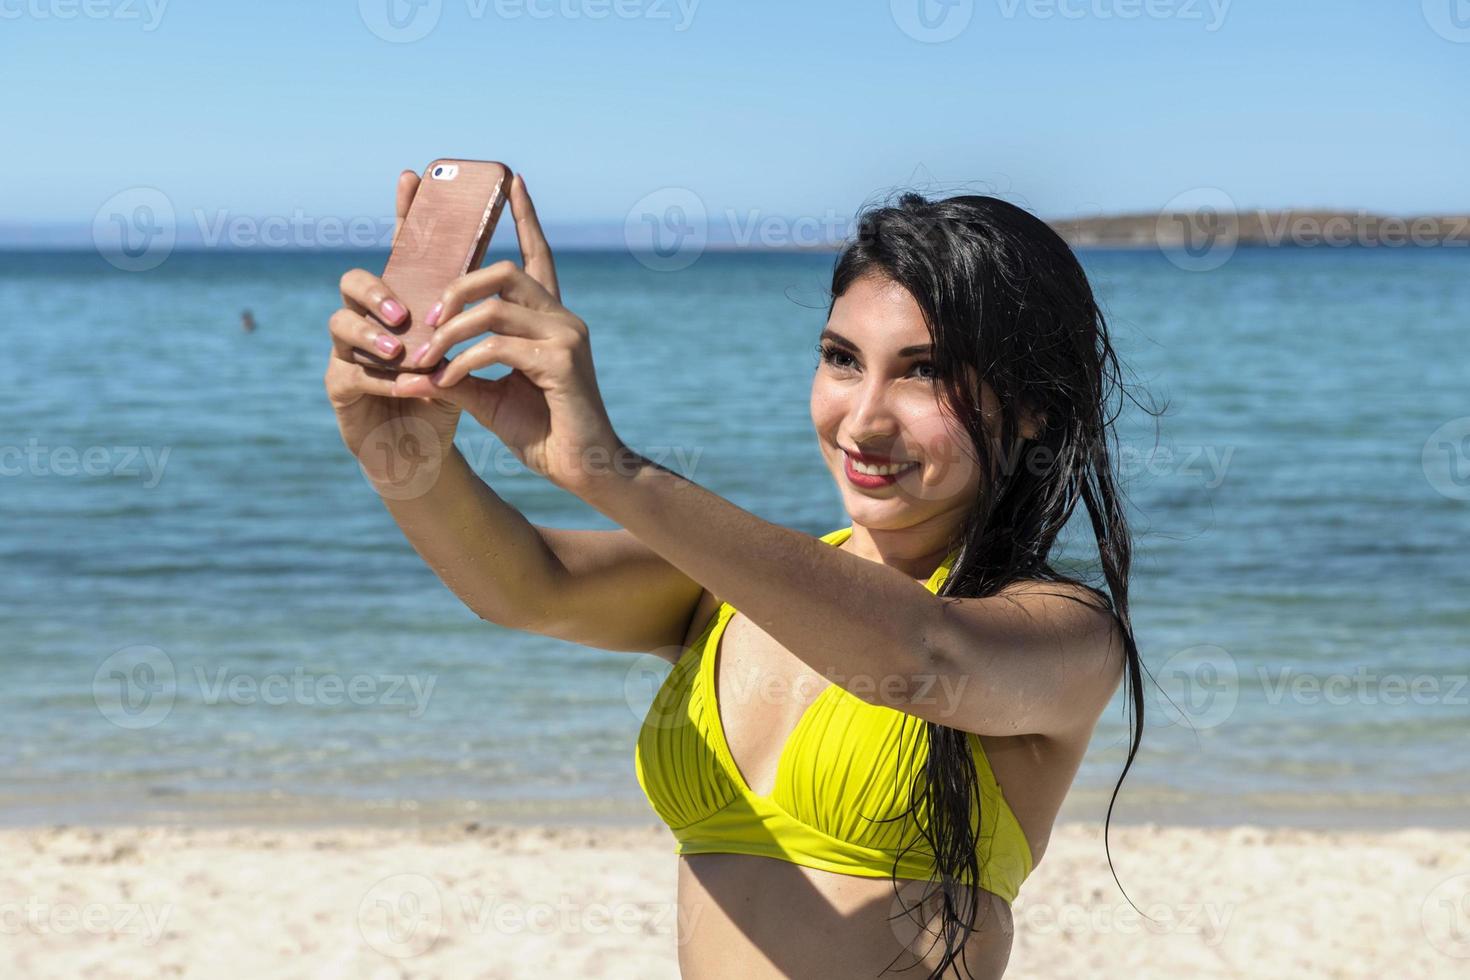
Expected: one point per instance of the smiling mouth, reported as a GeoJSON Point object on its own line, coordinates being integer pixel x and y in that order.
{"type": "Point", "coordinates": [878, 470]}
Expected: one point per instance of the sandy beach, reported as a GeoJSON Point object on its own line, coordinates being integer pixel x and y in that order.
{"type": "Point", "coordinates": [480, 901]}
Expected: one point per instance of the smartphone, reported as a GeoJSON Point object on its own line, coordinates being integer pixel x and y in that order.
{"type": "Point", "coordinates": [443, 236]}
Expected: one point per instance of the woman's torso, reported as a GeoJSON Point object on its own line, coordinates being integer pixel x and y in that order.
{"type": "Point", "coordinates": [757, 916]}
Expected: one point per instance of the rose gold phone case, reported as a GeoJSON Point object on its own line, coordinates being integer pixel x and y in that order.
{"type": "Point", "coordinates": [443, 236]}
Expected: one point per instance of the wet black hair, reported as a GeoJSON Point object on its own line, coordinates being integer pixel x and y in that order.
{"type": "Point", "coordinates": [1006, 301]}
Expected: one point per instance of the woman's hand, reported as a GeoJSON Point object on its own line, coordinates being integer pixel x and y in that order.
{"type": "Point", "coordinates": [390, 435]}
{"type": "Point", "coordinates": [548, 410]}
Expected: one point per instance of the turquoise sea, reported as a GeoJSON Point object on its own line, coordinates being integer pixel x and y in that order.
{"type": "Point", "coordinates": [205, 614]}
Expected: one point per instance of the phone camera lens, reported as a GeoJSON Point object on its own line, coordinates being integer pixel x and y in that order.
{"type": "Point", "coordinates": [438, 171]}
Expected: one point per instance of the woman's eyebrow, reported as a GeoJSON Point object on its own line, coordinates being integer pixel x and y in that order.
{"type": "Point", "coordinates": [830, 334]}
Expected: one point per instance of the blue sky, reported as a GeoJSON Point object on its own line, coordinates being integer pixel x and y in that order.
{"type": "Point", "coordinates": [769, 108]}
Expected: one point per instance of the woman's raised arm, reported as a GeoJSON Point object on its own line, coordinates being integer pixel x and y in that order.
{"type": "Point", "coordinates": [604, 589]}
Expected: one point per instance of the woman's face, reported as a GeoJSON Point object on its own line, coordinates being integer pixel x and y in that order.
{"type": "Point", "coordinates": [874, 395]}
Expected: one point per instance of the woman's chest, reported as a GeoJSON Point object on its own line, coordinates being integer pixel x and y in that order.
{"type": "Point", "coordinates": [762, 692]}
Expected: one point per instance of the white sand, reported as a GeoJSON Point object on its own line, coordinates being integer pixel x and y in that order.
{"type": "Point", "coordinates": [599, 902]}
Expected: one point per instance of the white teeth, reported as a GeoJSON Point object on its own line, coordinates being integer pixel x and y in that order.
{"type": "Point", "coordinates": [888, 470]}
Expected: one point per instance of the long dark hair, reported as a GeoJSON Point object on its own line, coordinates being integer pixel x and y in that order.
{"type": "Point", "coordinates": [1006, 301]}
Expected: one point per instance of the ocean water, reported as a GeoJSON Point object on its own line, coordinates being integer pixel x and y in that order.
{"type": "Point", "coordinates": [207, 615]}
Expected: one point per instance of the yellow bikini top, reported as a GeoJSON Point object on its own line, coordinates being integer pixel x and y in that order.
{"type": "Point", "coordinates": [846, 767]}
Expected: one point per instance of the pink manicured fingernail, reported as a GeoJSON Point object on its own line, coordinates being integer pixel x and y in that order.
{"type": "Point", "coordinates": [418, 355]}
{"type": "Point", "coordinates": [432, 319]}
{"type": "Point", "coordinates": [392, 310]}
{"type": "Point", "coordinates": [387, 343]}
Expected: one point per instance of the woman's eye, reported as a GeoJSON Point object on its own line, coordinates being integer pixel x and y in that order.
{"type": "Point", "coordinates": [836, 358]}
{"type": "Point", "coordinates": [842, 360]}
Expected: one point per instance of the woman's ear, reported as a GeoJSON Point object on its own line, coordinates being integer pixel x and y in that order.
{"type": "Point", "coordinates": [1032, 424]}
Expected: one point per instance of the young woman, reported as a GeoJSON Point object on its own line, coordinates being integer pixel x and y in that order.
{"type": "Point", "coordinates": [863, 763]}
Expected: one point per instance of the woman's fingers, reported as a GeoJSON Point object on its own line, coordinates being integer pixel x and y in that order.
{"type": "Point", "coordinates": [366, 293]}
{"type": "Point", "coordinates": [351, 330]}
{"type": "Point", "coordinates": [504, 279]}
{"type": "Point", "coordinates": [532, 356]}
{"type": "Point", "coordinates": [347, 382]}
{"type": "Point", "coordinates": [374, 382]}
{"type": "Point", "coordinates": [492, 315]}
{"type": "Point", "coordinates": [471, 392]}
{"type": "Point", "coordinates": [408, 186]}
{"type": "Point", "coordinates": [535, 252]}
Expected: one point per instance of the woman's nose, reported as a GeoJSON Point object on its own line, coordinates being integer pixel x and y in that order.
{"type": "Point", "coordinates": [871, 415]}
